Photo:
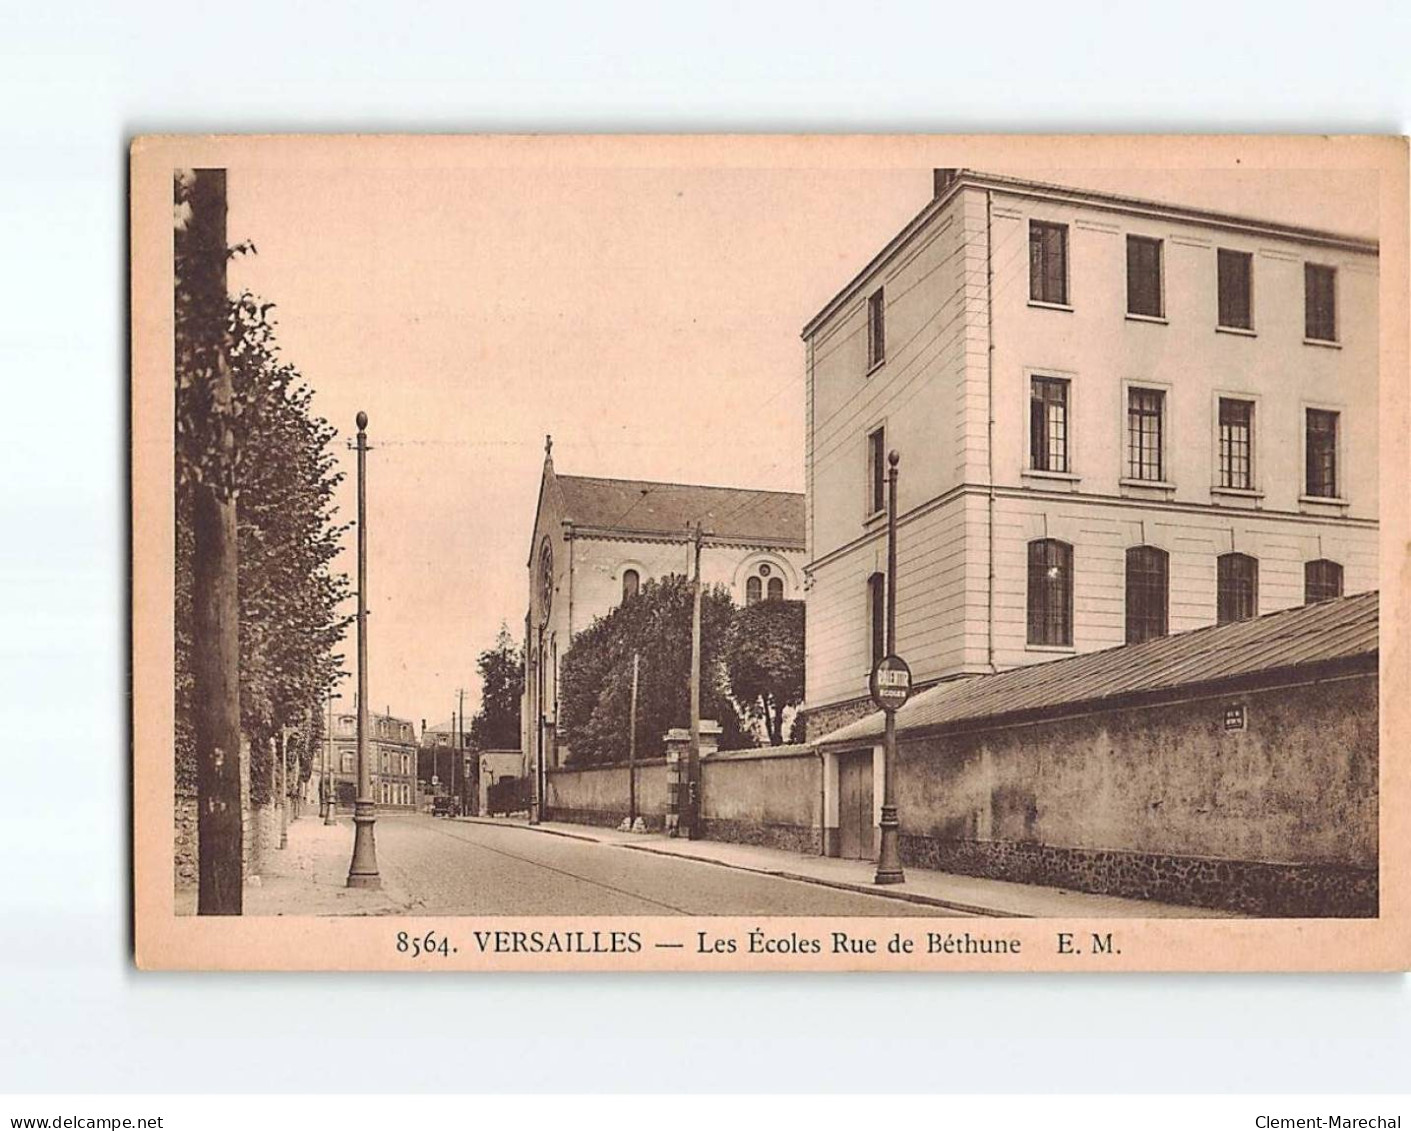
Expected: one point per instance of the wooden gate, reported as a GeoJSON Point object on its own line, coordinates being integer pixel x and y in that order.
{"type": "Point", "coordinates": [855, 816]}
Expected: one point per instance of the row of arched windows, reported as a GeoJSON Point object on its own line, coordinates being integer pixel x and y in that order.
{"type": "Point", "coordinates": [1148, 580]}
{"type": "Point", "coordinates": [757, 585]}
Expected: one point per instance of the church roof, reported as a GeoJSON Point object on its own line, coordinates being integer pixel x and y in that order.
{"type": "Point", "coordinates": [728, 514]}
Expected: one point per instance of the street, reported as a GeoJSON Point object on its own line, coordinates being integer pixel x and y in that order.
{"type": "Point", "coordinates": [442, 867]}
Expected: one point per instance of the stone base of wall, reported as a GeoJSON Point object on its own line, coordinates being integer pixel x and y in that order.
{"type": "Point", "coordinates": [790, 838]}
{"type": "Point", "coordinates": [603, 819]}
{"type": "Point", "coordinates": [819, 721]}
{"type": "Point", "coordinates": [1246, 886]}
{"type": "Point", "coordinates": [187, 864]}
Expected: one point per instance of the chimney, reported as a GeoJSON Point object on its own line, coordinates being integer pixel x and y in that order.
{"type": "Point", "coordinates": [942, 179]}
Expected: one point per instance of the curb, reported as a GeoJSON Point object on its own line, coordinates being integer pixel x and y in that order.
{"type": "Point", "coordinates": [798, 877]}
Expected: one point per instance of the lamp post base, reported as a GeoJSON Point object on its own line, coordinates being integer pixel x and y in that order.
{"type": "Point", "coordinates": [363, 871]}
{"type": "Point", "coordinates": [889, 869]}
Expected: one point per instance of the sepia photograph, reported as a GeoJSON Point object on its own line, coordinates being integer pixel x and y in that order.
{"type": "Point", "coordinates": [769, 553]}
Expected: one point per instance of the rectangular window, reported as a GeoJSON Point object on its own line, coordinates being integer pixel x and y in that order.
{"type": "Point", "coordinates": [1322, 581]}
{"type": "Point", "coordinates": [1236, 444]}
{"type": "Point", "coordinates": [1148, 572]}
{"type": "Point", "coordinates": [1145, 412]}
{"type": "Point", "coordinates": [877, 470]}
{"type": "Point", "coordinates": [1048, 262]}
{"type": "Point", "coordinates": [876, 330]}
{"type": "Point", "coordinates": [1050, 611]}
{"type": "Point", "coordinates": [1322, 454]}
{"type": "Point", "coordinates": [877, 615]}
{"type": "Point", "coordinates": [1319, 303]}
{"type": "Point", "coordinates": [1236, 277]}
{"type": "Point", "coordinates": [1048, 424]}
{"type": "Point", "coordinates": [1237, 588]}
{"type": "Point", "coordinates": [1144, 276]}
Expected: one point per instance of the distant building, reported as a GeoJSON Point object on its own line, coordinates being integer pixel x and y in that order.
{"type": "Point", "coordinates": [439, 771]}
{"type": "Point", "coordinates": [597, 540]}
{"type": "Point", "coordinates": [393, 749]}
{"type": "Point", "coordinates": [1116, 419]}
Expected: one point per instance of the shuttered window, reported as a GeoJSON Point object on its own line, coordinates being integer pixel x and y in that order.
{"type": "Point", "coordinates": [1319, 303]}
{"type": "Point", "coordinates": [876, 329]}
{"type": "Point", "coordinates": [631, 582]}
{"type": "Point", "coordinates": [754, 587]}
{"type": "Point", "coordinates": [877, 470]}
{"type": "Point", "coordinates": [1322, 581]}
{"type": "Point", "coordinates": [1048, 262]}
{"type": "Point", "coordinates": [1148, 580]}
{"type": "Point", "coordinates": [1144, 276]}
{"type": "Point", "coordinates": [877, 615]}
{"type": "Point", "coordinates": [1236, 277]}
{"type": "Point", "coordinates": [1050, 611]}
{"type": "Point", "coordinates": [776, 588]}
{"type": "Point", "coordinates": [1237, 588]}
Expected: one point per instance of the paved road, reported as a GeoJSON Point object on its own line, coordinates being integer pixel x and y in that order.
{"type": "Point", "coordinates": [454, 868]}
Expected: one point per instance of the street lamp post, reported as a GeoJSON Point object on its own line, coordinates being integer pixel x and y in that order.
{"type": "Point", "coordinates": [889, 869]}
{"type": "Point", "coordinates": [362, 873]}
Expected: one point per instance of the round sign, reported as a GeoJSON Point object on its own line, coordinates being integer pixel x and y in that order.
{"type": "Point", "coordinates": [891, 683]}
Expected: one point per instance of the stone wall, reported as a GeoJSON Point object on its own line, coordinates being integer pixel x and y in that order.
{"type": "Point", "coordinates": [768, 797]}
{"type": "Point", "coordinates": [1164, 802]}
{"type": "Point", "coordinates": [819, 721]}
{"type": "Point", "coordinates": [600, 795]}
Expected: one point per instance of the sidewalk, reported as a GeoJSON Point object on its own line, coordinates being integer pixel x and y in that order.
{"type": "Point", "coordinates": [310, 877]}
{"type": "Point", "coordinates": [939, 889]}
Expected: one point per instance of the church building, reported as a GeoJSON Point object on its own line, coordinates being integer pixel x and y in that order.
{"type": "Point", "coordinates": [596, 541]}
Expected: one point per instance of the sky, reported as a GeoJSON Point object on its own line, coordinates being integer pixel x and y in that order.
{"type": "Point", "coordinates": [647, 318]}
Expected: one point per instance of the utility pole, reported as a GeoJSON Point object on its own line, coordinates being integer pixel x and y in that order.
{"type": "Point", "coordinates": [362, 872]}
{"type": "Point", "coordinates": [632, 748]}
{"type": "Point", "coordinates": [693, 760]}
{"type": "Point", "coordinates": [203, 346]}
{"type": "Point", "coordinates": [460, 747]}
{"type": "Point", "coordinates": [889, 869]}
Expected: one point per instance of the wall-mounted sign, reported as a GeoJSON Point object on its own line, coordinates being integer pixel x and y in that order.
{"type": "Point", "coordinates": [1234, 718]}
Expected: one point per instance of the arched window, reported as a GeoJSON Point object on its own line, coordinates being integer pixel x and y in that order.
{"type": "Point", "coordinates": [753, 588]}
{"type": "Point", "coordinates": [631, 582]}
{"type": "Point", "coordinates": [1050, 593]}
{"type": "Point", "coordinates": [1322, 581]}
{"type": "Point", "coordinates": [1148, 574]}
{"type": "Point", "coordinates": [877, 615]}
{"type": "Point", "coordinates": [1237, 588]}
{"type": "Point", "coordinates": [776, 588]}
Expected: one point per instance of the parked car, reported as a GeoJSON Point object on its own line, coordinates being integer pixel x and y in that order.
{"type": "Point", "coordinates": [443, 806]}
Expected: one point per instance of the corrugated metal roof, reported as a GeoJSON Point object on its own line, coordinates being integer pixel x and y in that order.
{"type": "Point", "coordinates": [634, 506]}
{"type": "Point", "coordinates": [1293, 638]}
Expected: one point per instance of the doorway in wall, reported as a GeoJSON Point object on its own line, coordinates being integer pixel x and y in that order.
{"type": "Point", "coordinates": [855, 813]}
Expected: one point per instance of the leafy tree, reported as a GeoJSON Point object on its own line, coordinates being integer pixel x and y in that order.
{"type": "Point", "coordinates": [765, 662]}
{"type": "Point", "coordinates": [496, 725]}
{"type": "Point", "coordinates": [289, 594]}
{"type": "Point", "coordinates": [596, 689]}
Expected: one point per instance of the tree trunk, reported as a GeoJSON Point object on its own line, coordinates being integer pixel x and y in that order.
{"type": "Point", "coordinates": [215, 651]}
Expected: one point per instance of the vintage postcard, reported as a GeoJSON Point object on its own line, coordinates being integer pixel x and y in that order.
{"type": "Point", "coordinates": [770, 553]}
